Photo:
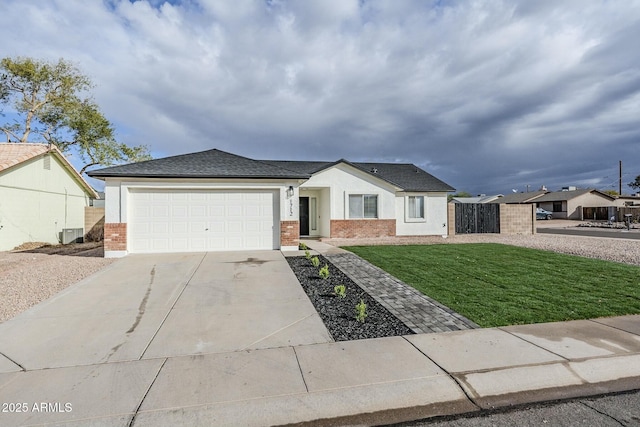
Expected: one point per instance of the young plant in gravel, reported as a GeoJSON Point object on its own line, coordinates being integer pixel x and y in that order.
{"type": "Point", "coordinates": [324, 272]}
{"type": "Point", "coordinates": [340, 291]}
{"type": "Point", "coordinates": [361, 311]}
{"type": "Point", "coordinates": [307, 254]}
{"type": "Point", "coordinates": [315, 262]}
{"type": "Point", "coordinates": [303, 247]}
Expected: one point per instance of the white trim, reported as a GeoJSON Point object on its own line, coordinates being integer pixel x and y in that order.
{"type": "Point", "coordinates": [289, 248]}
{"type": "Point", "coordinates": [406, 208]}
{"type": "Point", "coordinates": [363, 193]}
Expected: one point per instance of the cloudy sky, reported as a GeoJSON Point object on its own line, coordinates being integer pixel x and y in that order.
{"type": "Point", "coordinates": [488, 95]}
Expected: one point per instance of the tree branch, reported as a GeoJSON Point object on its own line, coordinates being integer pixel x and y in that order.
{"type": "Point", "coordinates": [9, 134]}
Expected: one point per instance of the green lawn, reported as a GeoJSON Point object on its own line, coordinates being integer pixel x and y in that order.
{"type": "Point", "coordinates": [497, 285]}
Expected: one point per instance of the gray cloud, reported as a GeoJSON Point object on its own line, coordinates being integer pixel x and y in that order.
{"type": "Point", "coordinates": [488, 95]}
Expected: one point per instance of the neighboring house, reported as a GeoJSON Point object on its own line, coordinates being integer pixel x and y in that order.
{"type": "Point", "coordinates": [214, 200]}
{"type": "Point", "coordinates": [627, 200]}
{"type": "Point", "coordinates": [478, 199]}
{"type": "Point", "coordinates": [528, 197]}
{"type": "Point", "coordinates": [565, 204]}
{"type": "Point", "coordinates": [569, 204]}
{"type": "Point", "coordinates": [41, 194]}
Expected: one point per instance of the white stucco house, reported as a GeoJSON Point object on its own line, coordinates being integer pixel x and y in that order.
{"type": "Point", "coordinates": [41, 194]}
{"type": "Point", "coordinates": [214, 201]}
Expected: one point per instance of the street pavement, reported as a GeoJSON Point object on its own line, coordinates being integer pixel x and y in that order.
{"type": "Point", "coordinates": [620, 409]}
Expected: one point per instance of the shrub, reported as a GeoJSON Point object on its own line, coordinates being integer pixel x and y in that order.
{"type": "Point", "coordinates": [324, 272]}
{"type": "Point", "coordinates": [315, 261]}
{"type": "Point", "coordinates": [361, 311]}
{"type": "Point", "coordinates": [307, 254]}
{"type": "Point", "coordinates": [303, 246]}
{"type": "Point", "coordinates": [340, 291]}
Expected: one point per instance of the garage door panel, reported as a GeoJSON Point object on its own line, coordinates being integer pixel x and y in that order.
{"type": "Point", "coordinates": [235, 226]}
{"type": "Point", "coordinates": [234, 211]}
{"type": "Point", "coordinates": [198, 211]}
{"type": "Point", "coordinates": [201, 220]}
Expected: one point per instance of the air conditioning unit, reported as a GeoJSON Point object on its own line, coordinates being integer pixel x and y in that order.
{"type": "Point", "coordinates": [71, 235]}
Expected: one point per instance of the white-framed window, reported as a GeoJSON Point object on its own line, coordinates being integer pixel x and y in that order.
{"type": "Point", "coordinates": [414, 209]}
{"type": "Point", "coordinates": [363, 206]}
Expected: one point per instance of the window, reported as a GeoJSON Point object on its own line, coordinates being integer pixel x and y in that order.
{"type": "Point", "coordinates": [363, 206]}
{"type": "Point", "coordinates": [415, 207]}
{"type": "Point", "coordinates": [557, 206]}
{"type": "Point", "coordinates": [313, 213]}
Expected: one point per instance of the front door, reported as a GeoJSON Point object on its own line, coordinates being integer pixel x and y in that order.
{"type": "Point", "coordinates": [304, 216]}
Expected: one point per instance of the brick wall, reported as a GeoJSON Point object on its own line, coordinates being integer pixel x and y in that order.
{"type": "Point", "coordinates": [115, 237]}
{"type": "Point", "coordinates": [93, 223]}
{"type": "Point", "coordinates": [517, 219]}
{"type": "Point", "coordinates": [289, 233]}
{"type": "Point", "coordinates": [353, 228]}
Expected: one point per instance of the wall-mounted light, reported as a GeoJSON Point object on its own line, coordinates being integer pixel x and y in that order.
{"type": "Point", "coordinates": [290, 191]}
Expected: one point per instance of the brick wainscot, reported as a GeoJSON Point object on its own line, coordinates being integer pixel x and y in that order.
{"type": "Point", "coordinates": [115, 236]}
{"type": "Point", "coordinates": [289, 233]}
{"type": "Point", "coordinates": [354, 228]}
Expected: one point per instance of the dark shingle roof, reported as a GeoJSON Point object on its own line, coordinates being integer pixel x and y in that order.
{"type": "Point", "coordinates": [205, 164]}
{"type": "Point", "coordinates": [220, 164]}
{"type": "Point", "coordinates": [406, 176]}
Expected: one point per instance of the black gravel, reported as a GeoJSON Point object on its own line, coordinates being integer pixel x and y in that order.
{"type": "Point", "coordinates": [339, 314]}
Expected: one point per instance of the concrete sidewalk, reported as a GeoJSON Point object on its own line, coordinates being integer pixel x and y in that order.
{"type": "Point", "coordinates": [193, 351]}
{"type": "Point", "coordinates": [363, 382]}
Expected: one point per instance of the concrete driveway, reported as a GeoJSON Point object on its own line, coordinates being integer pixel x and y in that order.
{"type": "Point", "coordinates": [155, 306]}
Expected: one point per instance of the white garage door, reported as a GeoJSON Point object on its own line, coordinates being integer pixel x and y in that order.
{"type": "Point", "coordinates": [201, 220]}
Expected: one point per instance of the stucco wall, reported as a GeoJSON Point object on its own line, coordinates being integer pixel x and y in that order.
{"type": "Point", "coordinates": [435, 221]}
{"type": "Point", "coordinates": [38, 199]}
{"type": "Point", "coordinates": [344, 180]}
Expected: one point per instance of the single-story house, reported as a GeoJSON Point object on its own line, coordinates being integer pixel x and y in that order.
{"type": "Point", "coordinates": [214, 201]}
{"type": "Point", "coordinates": [41, 194]}
{"type": "Point", "coordinates": [568, 204]}
{"type": "Point", "coordinates": [564, 204]}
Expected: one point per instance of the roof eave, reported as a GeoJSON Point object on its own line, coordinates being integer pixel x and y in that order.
{"type": "Point", "coordinates": [177, 176]}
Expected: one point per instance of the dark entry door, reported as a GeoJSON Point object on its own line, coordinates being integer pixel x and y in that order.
{"type": "Point", "coordinates": [304, 216]}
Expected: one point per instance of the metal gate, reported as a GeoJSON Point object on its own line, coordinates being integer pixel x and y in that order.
{"type": "Point", "coordinates": [477, 218]}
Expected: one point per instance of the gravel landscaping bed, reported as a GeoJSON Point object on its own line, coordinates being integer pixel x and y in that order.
{"type": "Point", "coordinates": [28, 278]}
{"type": "Point", "coordinates": [338, 314]}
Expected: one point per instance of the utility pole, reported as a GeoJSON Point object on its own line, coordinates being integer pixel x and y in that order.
{"type": "Point", "coordinates": [620, 178]}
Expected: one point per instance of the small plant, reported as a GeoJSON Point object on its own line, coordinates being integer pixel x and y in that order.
{"type": "Point", "coordinates": [340, 291]}
{"type": "Point", "coordinates": [361, 311]}
{"type": "Point", "coordinates": [315, 261]}
{"type": "Point", "coordinates": [303, 246]}
{"type": "Point", "coordinates": [307, 254]}
{"type": "Point", "coordinates": [324, 272]}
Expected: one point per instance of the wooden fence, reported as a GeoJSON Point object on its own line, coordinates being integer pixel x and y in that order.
{"type": "Point", "coordinates": [477, 218]}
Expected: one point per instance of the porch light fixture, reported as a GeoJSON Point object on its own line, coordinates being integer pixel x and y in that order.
{"type": "Point", "coordinates": [290, 191]}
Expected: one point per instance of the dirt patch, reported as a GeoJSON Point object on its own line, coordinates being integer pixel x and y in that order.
{"type": "Point", "coordinates": [39, 271]}
{"type": "Point", "coordinates": [88, 249]}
